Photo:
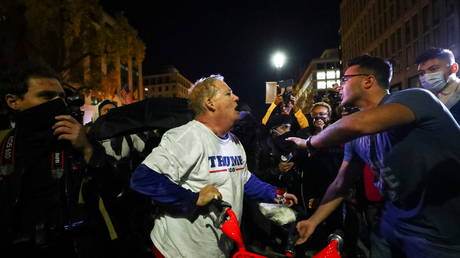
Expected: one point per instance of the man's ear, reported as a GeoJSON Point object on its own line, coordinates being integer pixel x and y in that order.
{"type": "Point", "coordinates": [12, 101]}
{"type": "Point", "coordinates": [369, 81]}
{"type": "Point", "coordinates": [209, 104]}
{"type": "Point", "coordinates": [454, 68]}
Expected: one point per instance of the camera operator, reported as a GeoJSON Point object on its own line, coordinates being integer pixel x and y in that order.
{"type": "Point", "coordinates": [49, 169]}
{"type": "Point", "coordinates": [284, 103]}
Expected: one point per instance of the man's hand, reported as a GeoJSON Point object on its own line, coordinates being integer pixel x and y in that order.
{"type": "Point", "coordinates": [305, 229]}
{"type": "Point", "coordinates": [278, 100]}
{"type": "Point", "coordinates": [285, 166]}
{"type": "Point", "coordinates": [207, 194]}
{"type": "Point", "coordinates": [296, 108]}
{"type": "Point", "coordinates": [288, 199]}
{"type": "Point", "coordinates": [67, 128]}
{"type": "Point", "coordinates": [301, 143]}
{"type": "Point", "coordinates": [319, 124]}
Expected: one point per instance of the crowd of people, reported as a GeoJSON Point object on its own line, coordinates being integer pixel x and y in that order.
{"type": "Point", "coordinates": [385, 173]}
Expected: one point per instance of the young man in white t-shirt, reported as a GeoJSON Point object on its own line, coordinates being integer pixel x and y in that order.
{"type": "Point", "coordinates": [194, 164]}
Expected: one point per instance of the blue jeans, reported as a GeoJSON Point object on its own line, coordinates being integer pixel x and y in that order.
{"type": "Point", "coordinates": [390, 242]}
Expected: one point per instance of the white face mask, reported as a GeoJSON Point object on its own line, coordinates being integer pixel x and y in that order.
{"type": "Point", "coordinates": [434, 82]}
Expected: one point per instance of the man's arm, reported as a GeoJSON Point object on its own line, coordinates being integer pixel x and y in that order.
{"type": "Point", "coordinates": [301, 118]}
{"type": "Point", "coordinates": [256, 189]}
{"type": "Point", "coordinates": [348, 173]}
{"type": "Point", "coordinates": [361, 123]}
{"type": "Point", "coordinates": [173, 198]}
{"type": "Point", "coordinates": [268, 113]}
{"type": "Point", "coordinates": [365, 122]}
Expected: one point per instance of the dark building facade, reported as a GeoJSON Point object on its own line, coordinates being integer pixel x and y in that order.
{"type": "Point", "coordinates": [166, 82]}
{"type": "Point", "coordinates": [399, 30]}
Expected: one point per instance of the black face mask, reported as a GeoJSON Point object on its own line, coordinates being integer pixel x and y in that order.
{"type": "Point", "coordinates": [41, 117]}
{"type": "Point", "coordinates": [283, 146]}
{"type": "Point", "coordinates": [319, 118]}
{"type": "Point", "coordinates": [34, 128]}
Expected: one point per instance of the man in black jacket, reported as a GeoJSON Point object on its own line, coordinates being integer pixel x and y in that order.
{"type": "Point", "coordinates": [49, 173]}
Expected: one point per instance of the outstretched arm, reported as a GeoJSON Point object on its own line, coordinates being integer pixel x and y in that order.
{"type": "Point", "coordinates": [348, 173]}
{"type": "Point", "coordinates": [365, 122]}
{"type": "Point", "coordinates": [361, 123]}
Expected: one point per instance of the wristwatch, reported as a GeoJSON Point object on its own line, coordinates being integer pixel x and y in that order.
{"type": "Point", "coordinates": [310, 147]}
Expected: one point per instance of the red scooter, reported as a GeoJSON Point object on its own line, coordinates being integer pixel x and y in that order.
{"type": "Point", "coordinates": [228, 222]}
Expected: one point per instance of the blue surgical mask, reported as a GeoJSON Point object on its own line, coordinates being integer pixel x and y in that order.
{"type": "Point", "coordinates": [434, 82]}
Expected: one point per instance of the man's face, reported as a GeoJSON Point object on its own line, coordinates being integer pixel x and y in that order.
{"type": "Point", "coordinates": [350, 87]}
{"type": "Point", "coordinates": [320, 115]}
{"type": "Point", "coordinates": [40, 90]}
{"type": "Point", "coordinates": [226, 102]}
{"type": "Point", "coordinates": [435, 65]}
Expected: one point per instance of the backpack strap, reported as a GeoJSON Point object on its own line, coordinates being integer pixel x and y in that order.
{"type": "Point", "coordinates": [4, 133]}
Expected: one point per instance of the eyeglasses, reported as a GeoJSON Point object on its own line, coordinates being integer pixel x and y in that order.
{"type": "Point", "coordinates": [314, 114]}
{"type": "Point", "coordinates": [346, 77]}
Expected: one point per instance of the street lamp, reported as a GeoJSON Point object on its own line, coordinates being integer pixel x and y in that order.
{"type": "Point", "coordinates": [278, 60]}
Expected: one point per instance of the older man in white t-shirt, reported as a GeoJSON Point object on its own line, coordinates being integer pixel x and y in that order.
{"type": "Point", "coordinates": [194, 164]}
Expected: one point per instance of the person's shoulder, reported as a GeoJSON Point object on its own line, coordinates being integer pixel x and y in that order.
{"type": "Point", "coordinates": [185, 133]}
{"type": "Point", "coordinates": [412, 91]}
{"type": "Point", "coordinates": [411, 95]}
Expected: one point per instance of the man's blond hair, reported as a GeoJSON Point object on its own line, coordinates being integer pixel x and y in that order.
{"type": "Point", "coordinates": [202, 89]}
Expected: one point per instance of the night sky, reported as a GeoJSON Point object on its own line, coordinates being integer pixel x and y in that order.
{"type": "Point", "coordinates": [233, 38]}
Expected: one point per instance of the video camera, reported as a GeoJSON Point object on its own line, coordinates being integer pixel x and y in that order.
{"type": "Point", "coordinates": [74, 100]}
{"type": "Point", "coordinates": [285, 87]}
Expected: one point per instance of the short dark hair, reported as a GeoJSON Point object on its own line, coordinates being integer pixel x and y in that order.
{"type": "Point", "coordinates": [379, 67]}
{"type": "Point", "coordinates": [432, 53]}
{"type": "Point", "coordinates": [106, 102]}
{"type": "Point", "coordinates": [16, 80]}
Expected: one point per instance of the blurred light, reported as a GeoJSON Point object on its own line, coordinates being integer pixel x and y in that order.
{"type": "Point", "coordinates": [146, 89]}
{"type": "Point", "coordinates": [278, 59]}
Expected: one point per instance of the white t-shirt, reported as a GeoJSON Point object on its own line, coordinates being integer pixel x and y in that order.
{"type": "Point", "coordinates": [192, 156]}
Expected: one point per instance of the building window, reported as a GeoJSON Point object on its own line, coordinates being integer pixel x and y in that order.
{"type": "Point", "coordinates": [393, 42]}
{"type": "Point", "coordinates": [451, 32]}
{"type": "Point", "coordinates": [436, 11]}
{"type": "Point", "coordinates": [437, 37]}
{"type": "Point", "coordinates": [415, 48]}
{"type": "Point", "coordinates": [166, 88]}
{"type": "Point", "coordinates": [330, 83]}
{"type": "Point", "coordinates": [321, 85]}
{"type": "Point", "coordinates": [392, 19]}
{"type": "Point", "coordinates": [408, 34]}
{"type": "Point", "coordinates": [426, 18]}
{"type": "Point", "coordinates": [408, 56]}
{"type": "Point", "coordinates": [330, 75]}
{"type": "Point", "coordinates": [427, 41]}
{"type": "Point", "coordinates": [450, 7]}
{"type": "Point", "coordinates": [159, 89]}
{"type": "Point", "coordinates": [320, 75]}
{"type": "Point", "coordinates": [385, 48]}
{"type": "Point", "coordinates": [414, 27]}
